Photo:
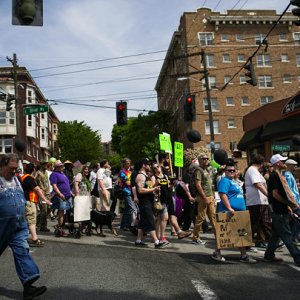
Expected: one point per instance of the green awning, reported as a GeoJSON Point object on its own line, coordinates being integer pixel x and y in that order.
{"type": "Point", "coordinates": [249, 138]}
{"type": "Point", "coordinates": [281, 128]}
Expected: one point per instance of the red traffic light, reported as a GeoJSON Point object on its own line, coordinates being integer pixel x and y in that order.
{"type": "Point", "coordinates": [189, 100]}
{"type": "Point", "coordinates": [121, 107]}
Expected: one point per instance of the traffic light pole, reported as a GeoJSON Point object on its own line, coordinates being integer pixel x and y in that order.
{"type": "Point", "coordinates": [15, 78]}
{"type": "Point", "coordinates": [210, 115]}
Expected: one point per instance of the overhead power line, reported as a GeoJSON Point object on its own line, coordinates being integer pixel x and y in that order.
{"type": "Point", "coordinates": [98, 60]}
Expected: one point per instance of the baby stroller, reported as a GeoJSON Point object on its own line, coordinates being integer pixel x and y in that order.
{"type": "Point", "coordinates": [74, 228]}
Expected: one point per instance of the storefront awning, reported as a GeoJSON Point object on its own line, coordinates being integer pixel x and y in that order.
{"type": "Point", "coordinates": [249, 138]}
{"type": "Point", "coordinates": [281, 128]}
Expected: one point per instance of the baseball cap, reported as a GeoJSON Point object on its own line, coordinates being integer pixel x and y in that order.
{"type": "Point", "coordinates": [291, 162]}
{"type": "Point", "coordinates": [276, 158]}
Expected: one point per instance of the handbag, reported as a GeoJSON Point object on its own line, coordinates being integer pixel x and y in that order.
{"type": "Point", "coordinates": [157, 205]}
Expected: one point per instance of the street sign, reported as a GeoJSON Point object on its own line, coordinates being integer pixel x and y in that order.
{"type": "Point", "coordinates": [281, 148]}
{"type": "Point", "coordinates": [35, 109]}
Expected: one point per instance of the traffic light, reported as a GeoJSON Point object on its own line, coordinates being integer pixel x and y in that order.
{"type": "Point", "coordinates": [121, 110]}
{"type": "Point", "coordinates": [250, 74]}
{"type": "Point", "coordinates": [27, 12]}
{"type": "Point", "coordinates": [9, 102]}
{"type": "Point", "coordinates": [189, 108]}
{"type": "Point", "coordinates": [296, 11]}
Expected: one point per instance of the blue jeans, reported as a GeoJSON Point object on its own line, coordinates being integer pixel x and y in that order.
{"type": "Point", "coordinates": [60, 204]}
{"type": "Point", "coordinates": [281, 230]}
{"type": "Point", "coordinates": [130, 208]}
{"type": "Point", "coordinates": [14, 232]}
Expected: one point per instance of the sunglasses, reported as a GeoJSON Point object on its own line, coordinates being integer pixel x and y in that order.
{"type": "Point", "coordinates": [230, 171]}
{"type": "Point", "coordinates": [205, 158]}
{"type": "Point", "coordinates": [156, 167]}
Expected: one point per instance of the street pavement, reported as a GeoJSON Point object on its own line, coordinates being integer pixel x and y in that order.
{"type": "Point", "coordinates": [126, 239]}
{"type": "Point", "coordinates": [110, 267]}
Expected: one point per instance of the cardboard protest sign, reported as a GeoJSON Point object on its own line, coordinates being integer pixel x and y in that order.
{"type": "Point", "coordinates": [233, 231]}
{"type": "Point", "coordinates": [178, 154]}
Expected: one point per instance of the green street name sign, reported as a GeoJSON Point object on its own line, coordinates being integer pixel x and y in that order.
{"type": "Point", "coordinates": [281, 147]}
{"type": "Point", "coordinates": [35, 109]}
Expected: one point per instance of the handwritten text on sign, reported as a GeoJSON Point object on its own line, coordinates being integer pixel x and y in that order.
{"type": "Point", "coordinates": [233, 231]}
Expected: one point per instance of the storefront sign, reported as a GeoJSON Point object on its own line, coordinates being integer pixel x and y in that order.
{"type": "Point", "coordinates": [292, 106]}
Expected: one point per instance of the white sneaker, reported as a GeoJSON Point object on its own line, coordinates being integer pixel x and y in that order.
{"type": "Point", "coordinates": [218, 257]}
{"type": "Point", "coordinates": [248, 259]}
{"type": "Point", "coordinates": [198, 242]}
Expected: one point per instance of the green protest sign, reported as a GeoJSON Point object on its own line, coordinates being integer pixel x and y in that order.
{"type": "Point", "coordinates": [165, 143]}
{"type": "Point", "coordinates": [178, 154]}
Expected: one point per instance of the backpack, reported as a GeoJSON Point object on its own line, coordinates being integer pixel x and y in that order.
{"type": "Point", "coordinates": [118, 191]}
{"type": "Point", "coordinates": [95, 190]}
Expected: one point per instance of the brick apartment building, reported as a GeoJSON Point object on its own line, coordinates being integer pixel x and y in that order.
{"type": "Point", "coordinates": [38, 131]}
{"type": "Point", "coordinates": [228, 41]}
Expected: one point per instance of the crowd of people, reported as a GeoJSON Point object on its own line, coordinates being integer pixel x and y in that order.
{"type": "Point", "coordinates": [148, 197]}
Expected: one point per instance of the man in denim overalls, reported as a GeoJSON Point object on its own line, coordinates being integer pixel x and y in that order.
{"type": "Point", "coordinates": [13, 226]}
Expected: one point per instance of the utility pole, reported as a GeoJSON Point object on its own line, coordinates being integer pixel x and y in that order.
{"type": "Point", "coordinates": [210, 115]}
{"type": "Point", "coordinates": [15, 78]}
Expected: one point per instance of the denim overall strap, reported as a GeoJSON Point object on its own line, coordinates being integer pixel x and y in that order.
{"type": "Point", "coordinates": [14, 230]}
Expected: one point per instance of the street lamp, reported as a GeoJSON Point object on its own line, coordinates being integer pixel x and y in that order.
{"type": "Point", "coordinates": [210, 115]}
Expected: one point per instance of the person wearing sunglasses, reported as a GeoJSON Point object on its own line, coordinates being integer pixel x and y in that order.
{"type": "Point", "coordinates": [232, 199]}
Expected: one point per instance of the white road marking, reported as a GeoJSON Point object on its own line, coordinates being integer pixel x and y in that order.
{"type": "Point", "coordinates": [295, 267]}
{"type": "Point", "coordinates": [204, 290]}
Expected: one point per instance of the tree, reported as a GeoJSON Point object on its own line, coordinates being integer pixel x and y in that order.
{"type": "Point", "coordinates": [77, 141]}
{"type": "Point", "coordinates": [139, 138]}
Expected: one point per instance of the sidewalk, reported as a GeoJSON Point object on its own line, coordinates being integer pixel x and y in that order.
{"type": "Point", "coordinates": [126, 239]}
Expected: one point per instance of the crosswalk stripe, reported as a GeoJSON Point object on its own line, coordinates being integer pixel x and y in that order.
{"type": "Point", "coordinates": [204, 290]}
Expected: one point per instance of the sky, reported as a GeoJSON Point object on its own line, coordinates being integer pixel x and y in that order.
{"type": "Point", "coordinates": [115, 49]}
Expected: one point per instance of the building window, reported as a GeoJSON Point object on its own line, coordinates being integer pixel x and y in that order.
{"type": "Point", "coordinates": [298, 60]}
{"type": "Point", "coordinates": [241, 58]}
{"type": "Point", "coordinates": [6, 145]}
{"type": "Point", "coordinates": [2, 117]}
{"type": "Point", "coordinates": [240, 37]}
{"type": "Point", "coordinates": [206, 38]}
{"type": "Point", "coordinates": [29, 120]}
{"type": "Point", "coordinates": [215, 124]}
{"type": "Point", "coordinates": [227, 78]}
{"type": "Point", "coordinates": [42, 133]}
{"type": "Point", "coordinates": [54, 129]}
{"type": "Point", "coordinates": [229, 101]}
{"type": "Point", "coordinates": [287, 78]}
{"type": "Point", "coordinates": [296, 36]}
{"type": "Point", "coordinates": [282, 36]}
{"type": "Point", "coordinates": [29, 96]}
{"type": "Point", "coordinates": [42, 116]}
{"type": "Point", "coordinates": [265, 99]}
{"type": "Point", "coordinates": [226, 58]}
{"type": "Point", "coordinates": [259, 37]}
{"type": "Point", "coordinates": [211, 82]}
{"type": "Point", "coordinates": [28, 148]}
{"type": "Point", "coordinates": [243, 79]}
{"type": "Point", "coordinates": [214, 104]}
{"type": "Point", "coordinates": [263, 60]}
{"type": "Point", "coordinates": [231, 123]}
{"type": "Point", "coordinates": [265, 81]}
{"type": "Point", "coordinates": [284, 57]}
{"type": "Point", "coordinates": [210, 60]}
{"type": "Point", "coordinates": [11, 118]}
{"type": "Point", "coordinates": [224, 37]}
{"type": "Point", "coordinates": [245, 101]}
